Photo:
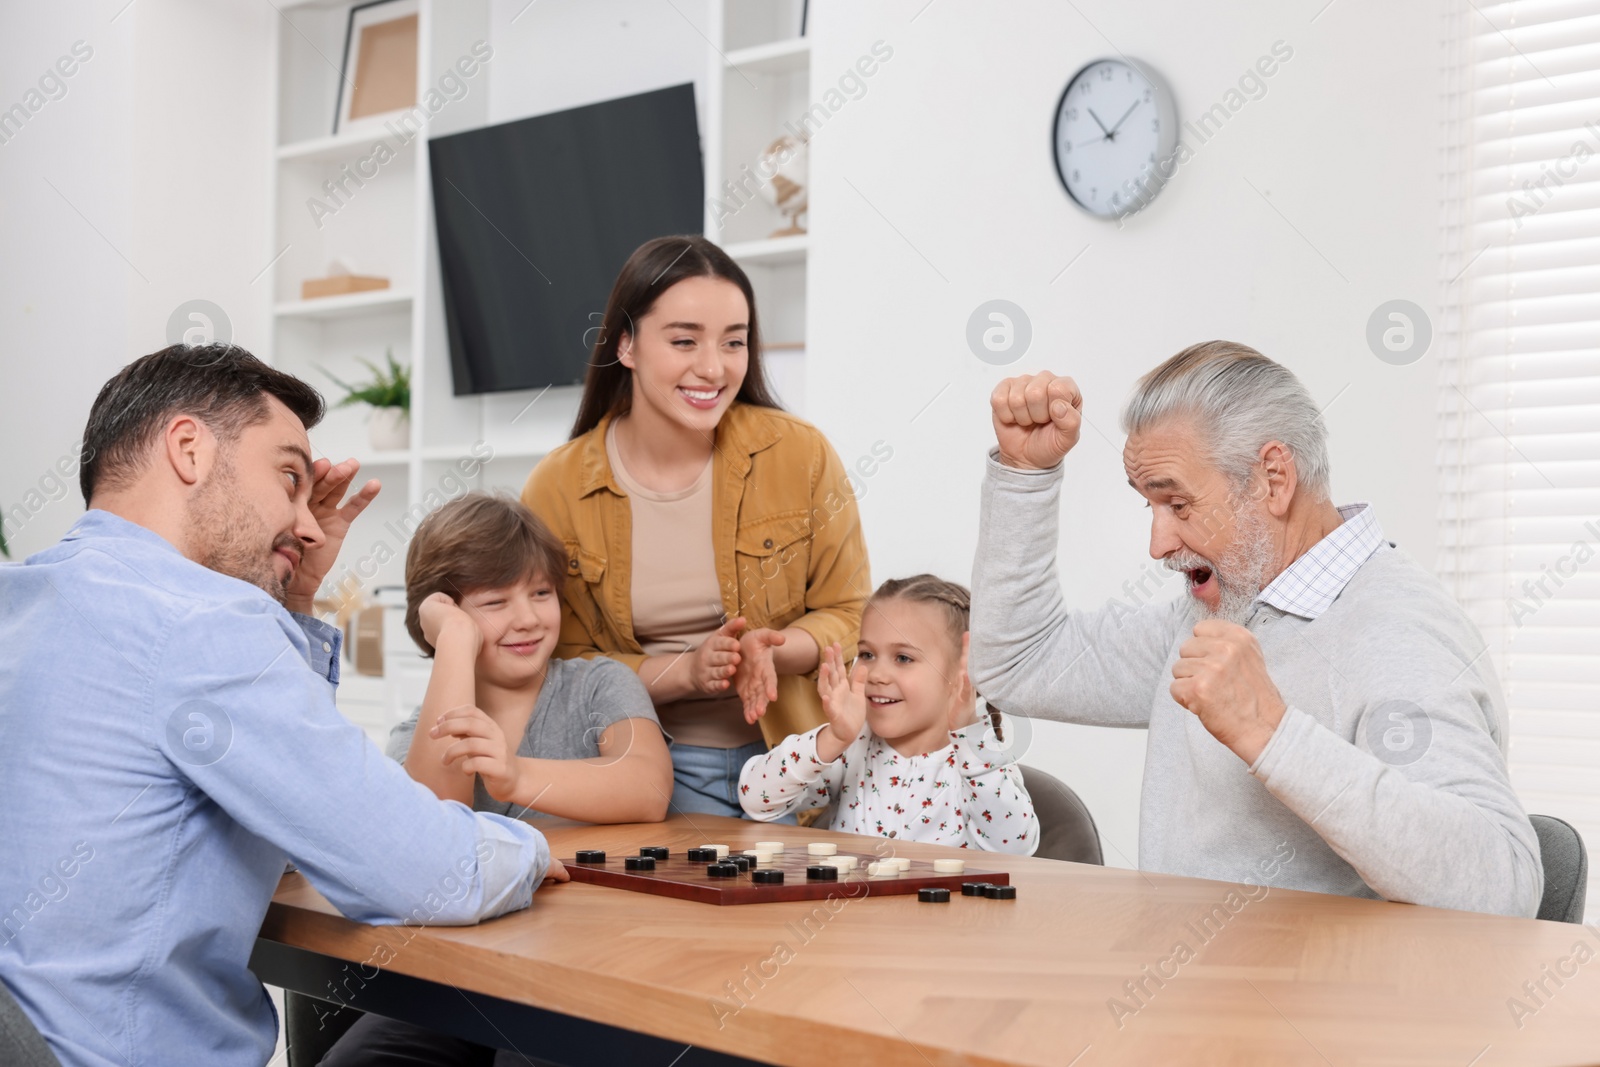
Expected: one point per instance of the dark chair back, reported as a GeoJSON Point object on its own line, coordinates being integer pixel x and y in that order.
{"type": "Point", "coordinates": [311, 1027]}
{"type": "Point", "coordinates": [1566, 869]}
{"type": "Point", "coordinates": [21, 1044]}
{"type": "Point", "coordinates": [1066, 829]}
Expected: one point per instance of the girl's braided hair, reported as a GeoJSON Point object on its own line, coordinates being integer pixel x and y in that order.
{"type": "Point", "coordinates": [931, 589]}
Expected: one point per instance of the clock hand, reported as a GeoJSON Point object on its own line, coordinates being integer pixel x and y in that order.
{"type": "Point", "coordinates": [1100, 124]}
{"type": "Point", "coordinates": [1113, 132]}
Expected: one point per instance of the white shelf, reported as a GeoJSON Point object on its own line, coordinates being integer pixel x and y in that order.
{"type": "Point", "coordinates": [347, 305]}
{"type": "Point", "coordinates": [339, 146]}
{"type": "Point", "coordinates": [770, 251]}
{"type": "Point", "coordinates": [454, 452]}
{"type": "Point", "coordinates": [778, 57]}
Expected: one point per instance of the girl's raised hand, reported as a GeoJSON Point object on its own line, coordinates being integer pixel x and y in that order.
{"type": "Point", "coordinates": [844, 696]}
{"type": "Point", "coordinates": [964, 702]}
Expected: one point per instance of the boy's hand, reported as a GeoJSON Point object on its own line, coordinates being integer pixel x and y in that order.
{"type": "Point", "coordinates": [480, 748]}
{"type": "Point", "coordinates": [557, 872]}
{"type": "Point", "coordinates": [439, 613]}
{"type": "Point", "coordinates": [844, 696]}
{"type": "Point", "coordinates": [328, 485]}
{"type": "Point", "coordinates": [716, 659]}
{"type": "Point", "coordinates": [756, 676]}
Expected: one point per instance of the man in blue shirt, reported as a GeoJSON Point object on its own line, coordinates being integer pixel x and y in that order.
{"type": "Point", "coordinates": [170, 734]}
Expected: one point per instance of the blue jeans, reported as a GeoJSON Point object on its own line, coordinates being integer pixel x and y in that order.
{"type": "Point", "coordinates": [705, 781]}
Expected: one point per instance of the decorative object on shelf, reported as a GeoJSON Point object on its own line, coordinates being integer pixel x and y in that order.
{"type": "Point", "coordinates": [389, 394]}
{"type": "Point", "coordinates": [364, 639]}
{"type": "Point", "coordinates": [1115, 135]}
{"type": "Point", "coordinates": [378, 75]}
{"type": "Point", "coordinates": [786, 160]}
{"type": "Point", "coordinates": [4, 550]}
{"type": "Point", "coordinates": [340, 284]}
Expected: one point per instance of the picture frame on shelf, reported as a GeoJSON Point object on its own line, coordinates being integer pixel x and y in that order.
{"type": "Point", "coordinates": [378, 71]}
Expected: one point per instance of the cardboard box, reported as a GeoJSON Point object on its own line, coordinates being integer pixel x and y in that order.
{"type": "Point", "coordinates": [340, 284]}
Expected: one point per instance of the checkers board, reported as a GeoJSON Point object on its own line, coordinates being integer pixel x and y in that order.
{"type": "Point", "coordinates": [678, 876]}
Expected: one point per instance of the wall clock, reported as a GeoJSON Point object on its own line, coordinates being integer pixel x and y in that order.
{"type": "Point", "coordinates": [1116, 130]}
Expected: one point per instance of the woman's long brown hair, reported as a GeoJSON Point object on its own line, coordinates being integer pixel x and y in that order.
{"type": "Point", "coordinates": [655, 267]}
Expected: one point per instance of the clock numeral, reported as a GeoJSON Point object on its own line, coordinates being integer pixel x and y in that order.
{"type": "Point", "coordinates": [1155, 125]}
{"type": "Point", "coordinates": [1147, 96]}
{"type": "Point", "coordinates": [1071, 114]}
{"type": "Point", "coordinates": [1075, 175]}
{"type": "Point", "coordinates": [1066, 147]}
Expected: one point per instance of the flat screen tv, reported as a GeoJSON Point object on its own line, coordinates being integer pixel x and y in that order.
{"type": "Point", "coordinates": [536, 217]}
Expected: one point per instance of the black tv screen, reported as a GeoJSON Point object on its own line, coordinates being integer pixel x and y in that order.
{"type": "Point", "coordinates": [536, 217]}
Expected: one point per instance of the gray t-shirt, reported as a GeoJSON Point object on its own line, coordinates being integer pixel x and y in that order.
{"type": "Point", "coordinates": [580, 698]}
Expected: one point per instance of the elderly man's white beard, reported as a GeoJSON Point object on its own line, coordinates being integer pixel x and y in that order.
{"type": "Point", "coordinates": [1240, 572]}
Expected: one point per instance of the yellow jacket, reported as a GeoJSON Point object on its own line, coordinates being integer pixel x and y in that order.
{"type": "Point", "coordinates": [787, 536]}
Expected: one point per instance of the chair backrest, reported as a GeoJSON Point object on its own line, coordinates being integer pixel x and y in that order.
{"type": "Point", "coordinates": [1566, 869]}
{"type": "Point", "coordinates": [21, 1044]}
{"type": "Point", "coordinates": [1066, 829]}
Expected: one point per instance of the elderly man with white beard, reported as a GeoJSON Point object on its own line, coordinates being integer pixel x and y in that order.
{"type": "Point", "coordinates": [1321, 714]}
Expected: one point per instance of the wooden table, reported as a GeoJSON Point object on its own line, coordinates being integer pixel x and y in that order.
{"type": "Point", "coordinates": [596, 975]}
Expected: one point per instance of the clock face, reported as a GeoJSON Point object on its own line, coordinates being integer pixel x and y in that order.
{"type": "Point", "coordinates": [1115, 133]}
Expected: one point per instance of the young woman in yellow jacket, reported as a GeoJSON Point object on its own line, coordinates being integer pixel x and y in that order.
{"type": "Point", "coordinates": [712, 539]}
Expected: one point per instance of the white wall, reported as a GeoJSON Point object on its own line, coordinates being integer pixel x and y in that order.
{"type": "Point", "coordinates": [943, 167]}
{"type": "Point", "coordinates": [162, 142]}
{"type": "Point", "coordinates": [158, 156]}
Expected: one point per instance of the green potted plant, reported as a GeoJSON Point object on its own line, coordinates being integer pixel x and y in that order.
{"type": "Point", "coordinates": [388, 393]}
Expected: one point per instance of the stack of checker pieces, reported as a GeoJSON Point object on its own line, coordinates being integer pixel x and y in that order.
{"type": "Point", "coordinates": [714, 874]}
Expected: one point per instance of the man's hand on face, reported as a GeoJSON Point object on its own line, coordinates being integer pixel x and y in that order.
{"type": "Point", "coordinates": [1221, 676]}
{"type": "Point", "coordinates": [1036, 419]}
{"type": "Point", "coordinates": [328, 484]}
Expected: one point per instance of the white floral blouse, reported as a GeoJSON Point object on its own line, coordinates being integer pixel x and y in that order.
{"type": "Point", "coordinates": [969, 793]}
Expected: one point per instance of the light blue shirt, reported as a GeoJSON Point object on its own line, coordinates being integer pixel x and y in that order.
{"type": "Point", "coordinates": [168, 741]}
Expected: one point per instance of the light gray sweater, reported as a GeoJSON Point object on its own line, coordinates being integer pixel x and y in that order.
{"type": "Point", "coordinates": [1330, 790]}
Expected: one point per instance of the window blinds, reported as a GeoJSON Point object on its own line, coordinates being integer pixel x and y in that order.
{"type": "Point", "coordinates": [1519, 398]}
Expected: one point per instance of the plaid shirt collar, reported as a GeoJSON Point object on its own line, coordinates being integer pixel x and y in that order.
{"type": "Point", "coordinates": [1310, 584]}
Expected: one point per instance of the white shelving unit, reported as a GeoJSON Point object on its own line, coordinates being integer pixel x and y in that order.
{"type": "Point", "coordinates": [757, 84]}
{"type": "Point", "coordinates": [331, 198]}
{"type": "Point", "coordinates": [382, 224]}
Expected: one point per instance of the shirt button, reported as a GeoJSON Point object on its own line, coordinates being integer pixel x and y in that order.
{"type": "Point", "coordinates": [327, 646]}
{"type": "Point", "coordinates": [572, 564]}
{"type": "Point", "coordinates": [767, 543]}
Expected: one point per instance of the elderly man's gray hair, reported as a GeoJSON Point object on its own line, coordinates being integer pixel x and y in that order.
{"type": "Point", "coordinates": [1238, 400]}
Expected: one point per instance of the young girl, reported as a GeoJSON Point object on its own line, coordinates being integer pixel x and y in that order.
{"type": "Point", "coordinates": [904, 753]}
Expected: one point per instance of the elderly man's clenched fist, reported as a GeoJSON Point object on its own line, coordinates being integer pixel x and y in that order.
{"type": "Point", "coordinates": [1036, 419]}
{"type": "Point", "coordinates": [1221, 676]}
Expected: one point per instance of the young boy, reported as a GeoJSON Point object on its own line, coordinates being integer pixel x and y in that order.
{"type": "Point", "coordinates": [503, 727]}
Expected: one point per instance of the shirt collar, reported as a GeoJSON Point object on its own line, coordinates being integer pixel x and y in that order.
{"type": "Point", "coordinates": [1311, 584]}
{"type": "Point", "coordinates": [98, 523]}
{"type": "Point", "coordinates": [744, 430]}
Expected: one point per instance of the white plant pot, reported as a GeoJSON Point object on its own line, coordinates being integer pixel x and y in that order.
{"type": "Point", "coordinates": [389, 429]}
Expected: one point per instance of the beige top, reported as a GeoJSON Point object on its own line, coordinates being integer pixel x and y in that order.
{"type": "Point", "coordinates": [676, 600]}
